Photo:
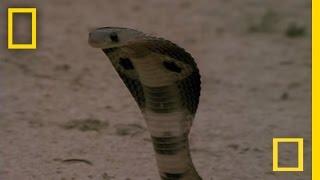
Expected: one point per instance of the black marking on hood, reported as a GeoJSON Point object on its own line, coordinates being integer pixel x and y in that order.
{"type": "Point", "coordinates": [109, 50]}
{"type": "Point", "coordinates": [126, 63]}
{"type": "Point", "coordinates": [171, 66]}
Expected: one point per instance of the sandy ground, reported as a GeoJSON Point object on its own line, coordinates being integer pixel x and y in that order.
{"type": "Point", "coordinates": [66, 115]}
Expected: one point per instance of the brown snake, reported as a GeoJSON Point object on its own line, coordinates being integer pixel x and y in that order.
{"type": "Point", "coordinates": [165, 82]}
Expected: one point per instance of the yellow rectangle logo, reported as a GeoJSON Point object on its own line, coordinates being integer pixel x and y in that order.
{"type": "Point", "coordinates": [275, 158]}
{"type": "Point", "coordinates": [11, 12]}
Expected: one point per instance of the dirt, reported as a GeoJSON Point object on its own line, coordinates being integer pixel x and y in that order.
{"type": "Point", "coordinates": [66, 115]}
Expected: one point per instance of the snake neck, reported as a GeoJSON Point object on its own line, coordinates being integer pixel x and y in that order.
{"type": "Point", "coordinates": [169, 124]}
{"type": "Point", "coordinates": [173, 158]}
{"type": "Point", "coordinates": [167, 118]}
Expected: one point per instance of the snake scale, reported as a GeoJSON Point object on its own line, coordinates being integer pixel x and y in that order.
{"type": "Point", "coordinates": [165, 82]}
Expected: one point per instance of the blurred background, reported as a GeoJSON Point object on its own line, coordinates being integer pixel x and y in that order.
{"type": "Point", "coordinates": [66, 115]}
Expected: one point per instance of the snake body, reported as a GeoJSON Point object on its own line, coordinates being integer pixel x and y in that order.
{"type": "Point", "coordinates": [165, 82]}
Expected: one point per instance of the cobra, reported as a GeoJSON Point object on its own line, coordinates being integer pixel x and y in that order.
{"type": "Point", "coordinates": [165, 82]}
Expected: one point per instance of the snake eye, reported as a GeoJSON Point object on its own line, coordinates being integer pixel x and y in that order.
{"type": "Point", "coordinates": [126, 63]}
{"type": "Point", "coordinates": [171, 66]}
{"type": "Point", "coordinates": [114, 37]}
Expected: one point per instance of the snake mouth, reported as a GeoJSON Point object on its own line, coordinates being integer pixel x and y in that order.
{"type": "Point", "coordinates": [95, 44]}
{"type": "Point", "coordinates": [96, 39]}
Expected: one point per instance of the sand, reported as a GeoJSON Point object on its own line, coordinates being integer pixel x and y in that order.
{"type": "Point", "coordinates": [66, 115]}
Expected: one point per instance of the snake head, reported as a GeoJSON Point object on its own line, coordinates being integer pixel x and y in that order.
{"type": "Point", "coordinates": [110, 37]}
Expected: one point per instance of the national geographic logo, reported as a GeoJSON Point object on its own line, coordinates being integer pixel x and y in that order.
{"type": "Point", "coordinates": [11, 13]}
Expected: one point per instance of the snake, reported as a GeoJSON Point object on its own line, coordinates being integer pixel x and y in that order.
{"type": "Point", "coordinates": [165, 82]}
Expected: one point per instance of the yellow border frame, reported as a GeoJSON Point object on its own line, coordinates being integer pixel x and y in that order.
{"type": "Point", "coordinates": [315, 88]}
{"type": "Point", "coordinates": [33, 44]}
{"type": "Point", "coordinates": [275, 154]}
{"type": "Point", "coordinates": [315, 66]}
